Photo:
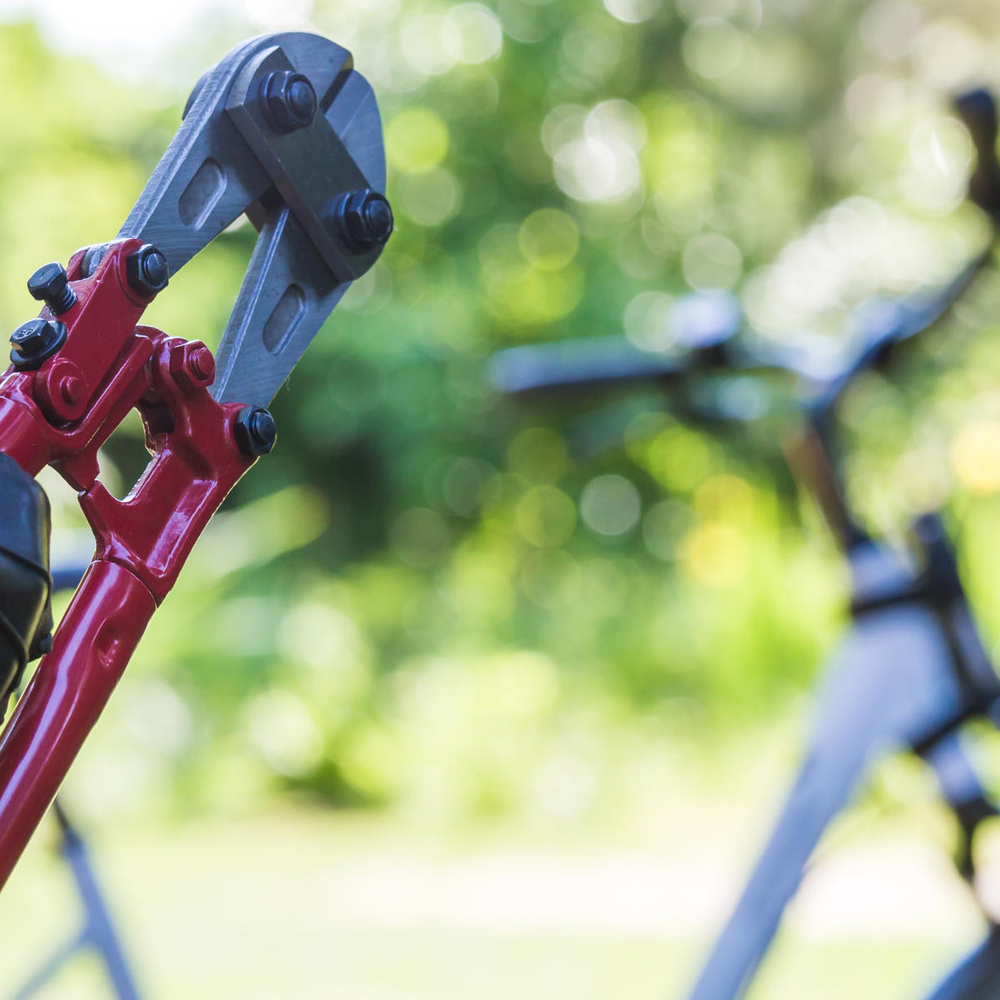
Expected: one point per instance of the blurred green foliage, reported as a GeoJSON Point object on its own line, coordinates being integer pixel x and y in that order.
{"type": "Point", "coordinates": [424, 597]}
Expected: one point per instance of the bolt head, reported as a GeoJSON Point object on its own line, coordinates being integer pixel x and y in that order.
{"type": "Point", "coordinates": [146, 270]}
{"type": "Point", "coordinates": [69, 389]}
{"type": "Point", "coordinates": [255, 431]}
{"type": "Point", "coordinates": [366, 219]}
{"type": "Point", "coordinates": [49, 284]}
{"type": "Point", "coordinates": [31, 336]}
{"type": "Point", "coordinates": [288, 101]}
{"type": "Point", "coordinates": [301, 99]}
{"type": "Point", "coordinates": [35, 341]}
{"type": "Point", "coordinates": [192, 365]}
{"type": "Point", "coordinates": [203, 364]}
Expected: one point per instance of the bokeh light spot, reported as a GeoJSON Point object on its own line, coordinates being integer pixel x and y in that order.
{"type": "Point", "coordinates": [715, 554]}
{"type": "Point", "coordinates": [521, 685]}
{"type": "Point", "coordinates": [474, 34]}
{"type": "Point", "coordinates": [283, 731]}
{"type": "Point", "coordinates": [416, 140]}
{"type": "Point", "coordinates": [632, 11]}
{"type": "Point", "coordinates": [710, 260]}
{"type": "Point", "coordinates": [712, 47]}
{"type": "Point", "coordinates": [419, 536]}
{"type": "Point", "coordinates": [664, 524]}
{"type": "Point", "coordinates": [647, 321]}
{"type": "Point", "coordinates": [723, 496]}
{"type": "Point", "coordinates": [538, 454]}
{"type": "Point", "coordinates": [594, 153]}
{"type": "Point", "coordinates": [975, 457]}
{"type": "Point", "coordinates": [549, 238]}
{"type": "Point", "coordinates": [678, 458]}
{"type": "Point", "coordinates": [610, 505]}
{"type": "Point", "coordinates": [424, 44]}
{"type": "Point", "coordinates": [430, 198]}
{"type": "Point", "coordinates": [545, 516]}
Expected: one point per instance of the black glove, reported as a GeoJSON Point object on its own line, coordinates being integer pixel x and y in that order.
{"type": "Point", "coordinates": [25, 584]}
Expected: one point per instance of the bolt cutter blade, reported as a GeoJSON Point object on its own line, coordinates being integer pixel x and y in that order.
{"type": "Point", "coordinates": [293, 178]}
{"type": "Point", "coordinates": [206, 179]}
{"type": "Point", "coordinates": [285, 299]}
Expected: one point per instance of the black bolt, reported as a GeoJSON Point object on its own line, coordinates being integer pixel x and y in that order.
{"type": "Point", "coordinates": [32, 336]}
{"type": "Point", "coordinates": [34, 341]}
{"type": "Point", "coordinates": [255, 431]}
{"type": "Point", "coordinates": [288, 101]}
{"type": "Point", "coordinates": [365, 219]}
{"type": "Point", "coordinates": [50, 285]}
{"type": "Point", "coordinates": [147, 271]}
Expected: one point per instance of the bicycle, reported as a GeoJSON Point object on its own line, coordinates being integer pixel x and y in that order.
{"type": "Point", "coordinates": [912, 669]}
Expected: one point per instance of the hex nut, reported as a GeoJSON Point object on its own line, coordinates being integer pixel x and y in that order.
{"type": "Point", "coordinates": [36, 341]}
{"type": "Point", "coordinates": [255, 431]}
{"type": "Point", "coordinates": [146, 270]}
{"type": "Point", "coordinates": [288, 101]}
{"type": "Point", "coordinates": [191, 366]}
{"type": "Point", "coordinates": [366, 219]}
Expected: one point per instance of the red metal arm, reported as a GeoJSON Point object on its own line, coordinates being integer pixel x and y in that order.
{"type": "Point", "coordinates": [60, 415]}
{"type": "Point", "coordinates": [285, 131]}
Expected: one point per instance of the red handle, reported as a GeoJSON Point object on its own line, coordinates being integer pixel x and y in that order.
{"type": "Point", "coordinates": [70, 688]}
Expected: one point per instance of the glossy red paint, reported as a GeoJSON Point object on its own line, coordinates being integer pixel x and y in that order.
{"type": "Point", "coordinates": [73, 682]}
{"type": "Point", "coordinates": [142, 541]}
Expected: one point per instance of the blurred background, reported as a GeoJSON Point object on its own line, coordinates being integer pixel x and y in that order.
{"type": "Point", "coordinates": [442, 707]}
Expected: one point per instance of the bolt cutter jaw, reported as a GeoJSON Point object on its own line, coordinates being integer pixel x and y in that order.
{"type": "Point", "coordinates": [308, 171]}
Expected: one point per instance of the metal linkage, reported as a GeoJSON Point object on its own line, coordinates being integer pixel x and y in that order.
{"type": "Point", "coordinates": [284, 130]}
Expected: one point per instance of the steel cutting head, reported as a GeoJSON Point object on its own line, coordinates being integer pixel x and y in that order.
{"type": "Point", "coordinates": [284, 130]}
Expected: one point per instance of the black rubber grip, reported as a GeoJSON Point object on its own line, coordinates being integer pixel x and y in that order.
{"type": "Point", "coordinates": [25, 584]}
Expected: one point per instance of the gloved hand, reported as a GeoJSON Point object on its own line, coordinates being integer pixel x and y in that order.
{"type": "Point", "coordinates": [25, 584]}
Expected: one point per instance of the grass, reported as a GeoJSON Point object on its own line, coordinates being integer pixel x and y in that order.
{"type": "Point", "coordinates": [313, 905]}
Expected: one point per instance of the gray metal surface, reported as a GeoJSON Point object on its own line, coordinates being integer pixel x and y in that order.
{"type": "Point", "coordinates": [310, 167]}
{"type": "Point", "coordinates": [287, 184]}
{"type": "Point", "coordinates": [206, 178]}
{"type": "Point", "coordinates": [287, 295]}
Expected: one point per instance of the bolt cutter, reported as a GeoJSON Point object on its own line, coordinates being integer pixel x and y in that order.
{"type": "Point", "coordinates": [285, 131]}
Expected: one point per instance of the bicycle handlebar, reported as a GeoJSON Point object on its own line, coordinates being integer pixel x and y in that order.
{"type": "Point", "coordinates": [703, 323]}
{"type": "Point", "coordinates": [709, 323]}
